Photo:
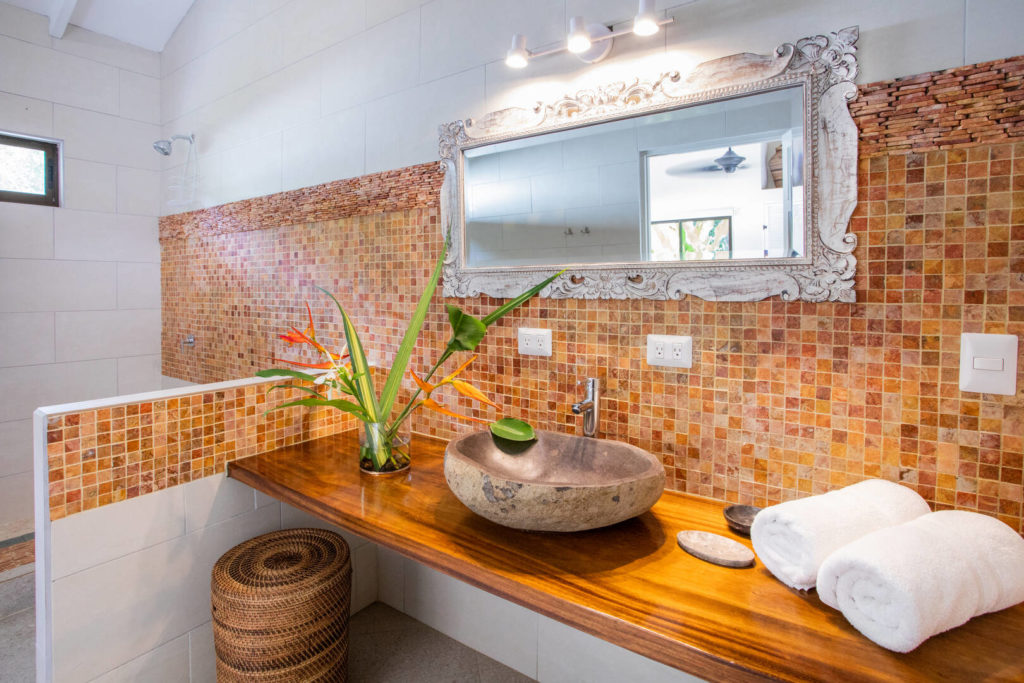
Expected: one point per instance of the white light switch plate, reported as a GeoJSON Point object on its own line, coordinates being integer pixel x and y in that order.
{"type": "Point", "coordinates": [988, 363]}
{"type": "Point", "coordinates": [670, 352]}
{"type": "Point", "coordinates": [534, 342]}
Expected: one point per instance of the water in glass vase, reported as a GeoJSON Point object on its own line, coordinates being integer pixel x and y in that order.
{"type": "Point", "coordinates": [380, 455]}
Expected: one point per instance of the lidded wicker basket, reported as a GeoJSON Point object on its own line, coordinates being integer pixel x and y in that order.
{"type": "Point", "coordinates": [280, 606]}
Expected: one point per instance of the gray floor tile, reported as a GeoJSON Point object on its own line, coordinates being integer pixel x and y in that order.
{"type": "Point", "coordinates": [17, 647]}
{"type": "Point", "coordinates": [387, 646]}
{"type": "Point", "coordinates": [17, 594]}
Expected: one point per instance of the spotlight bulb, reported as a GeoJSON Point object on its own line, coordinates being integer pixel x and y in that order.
{"type": "Point", "coordinates": [646, 22]}
{"type": "Point", "coordinates": [579, 37]}
{"type": "Point", "coordinates": [517, 56]}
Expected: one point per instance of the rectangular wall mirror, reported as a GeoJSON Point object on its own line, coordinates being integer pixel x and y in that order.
{"type": "Point", "coordinates": [735, 181]}
{"type": "Point", "coordinates": [716, 181]}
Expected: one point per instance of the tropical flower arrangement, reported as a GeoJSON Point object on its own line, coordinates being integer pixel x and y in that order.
{"type": "Point", "coordinates": [343, 380]}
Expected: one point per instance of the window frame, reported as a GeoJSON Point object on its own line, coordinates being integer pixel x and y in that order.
{"type": "Point", "coordinates": [53, 169]}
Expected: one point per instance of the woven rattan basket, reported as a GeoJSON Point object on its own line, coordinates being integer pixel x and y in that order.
{"type": "Point", "coordinates": [280, 607]}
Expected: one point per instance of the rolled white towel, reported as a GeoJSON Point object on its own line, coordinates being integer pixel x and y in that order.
{"type": "Point", "coordinates": [794, 538]}
{"type": "Point", "coordinates": [901, 585]}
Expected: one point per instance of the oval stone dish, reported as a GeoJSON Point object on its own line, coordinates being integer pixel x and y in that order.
{"type": "Point", "coordinates": [740, 517]}
{"type": "Point", "coordinates": [555, 483]}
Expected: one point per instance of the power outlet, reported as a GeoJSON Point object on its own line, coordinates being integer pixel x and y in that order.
{"type": "Point", "coordinates": [534, 342]}
{"type": "Point", "coordinates": [669, 351]}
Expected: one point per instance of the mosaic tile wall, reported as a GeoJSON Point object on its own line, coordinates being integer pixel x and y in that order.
{"type": "Point", "coordinates": [784, 399]}
{"type": "Point", "coordinates": [98, 457]}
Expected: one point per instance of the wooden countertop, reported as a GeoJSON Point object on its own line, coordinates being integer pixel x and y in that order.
{"type": "Point", "coordinates": [629, 584]}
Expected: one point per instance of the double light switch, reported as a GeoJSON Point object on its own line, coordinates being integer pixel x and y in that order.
{"type": "Point", "coordinates": [988, 363]}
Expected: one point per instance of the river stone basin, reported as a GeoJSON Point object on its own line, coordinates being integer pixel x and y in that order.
{"type": "Point", "coordinates": [555, 483]}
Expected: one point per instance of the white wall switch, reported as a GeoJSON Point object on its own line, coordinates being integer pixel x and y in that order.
{"type": "Point", "coordinates": [670, 352]}
{"type": "Point", "coordinates": [534, 342]}
{"type": "Point", "coordinates": [988, 363]}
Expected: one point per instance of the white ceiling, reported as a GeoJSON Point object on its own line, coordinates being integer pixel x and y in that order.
{"type": "Point", "coordinates": [146, 23]}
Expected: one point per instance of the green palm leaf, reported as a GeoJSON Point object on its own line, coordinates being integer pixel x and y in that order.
{"type": "Point", "coordinates": [361, 380]}
{"type": "Point", "coordinates": [513, 304]}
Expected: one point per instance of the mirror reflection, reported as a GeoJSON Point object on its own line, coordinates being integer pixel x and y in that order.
{"type": "Point", "coordinates": [720, 180]}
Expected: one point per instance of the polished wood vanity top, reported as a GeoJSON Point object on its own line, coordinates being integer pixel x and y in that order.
{"type": "Point", "coordinates": [629, 584]}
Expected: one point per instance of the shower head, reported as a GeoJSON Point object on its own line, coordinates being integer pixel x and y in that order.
{"type": "Point", "coordinates": [164, 146]}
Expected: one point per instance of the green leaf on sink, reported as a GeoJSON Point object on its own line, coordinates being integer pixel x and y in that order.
{"type": "Point", "coordinates": [512, 429]}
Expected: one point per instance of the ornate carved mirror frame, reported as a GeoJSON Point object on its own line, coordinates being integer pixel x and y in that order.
{"type": "Point", "coordinates": [825, 65]}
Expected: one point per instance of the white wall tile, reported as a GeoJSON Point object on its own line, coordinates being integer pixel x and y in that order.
{"type": "Point", "coordinates": [381, 61]}
{"type": "Point", "coordinates": [308, 26]}
{"type": "Point", "coordinates": [993, 29]}
{"type": "Point", "coordinates": [139, 613]}
{"type": "Point", "coordinates": [96, 536]}
{"type": "Point", "coordinates": [329, 149]}
{"type": "Point", "coordinates": [167, 663]}
{"type": "Point", "coordinates": [15, 447]}
{"type": "Point", "coordinates": [23, 389]}
{"type": "Point", "coordinates": [203, 657]}
{"type": "Point", "coordinates": [138, 191]}
{"type": "Point", "coordinates": [293, 518]}
{"type": "Point", "coordinates": [391, 578]}
{"type": "Point", "coordinates": [89, 186]}
{"type": "Point", "coordinates": [364, 576]}
{"type": "Point", "coordinates": [287, 98]}
{"type": "Point", "coordinates": [215, 499]}
{"type": "Point", "coordinates": [93, 46]}
{"type": "Point", "coordinates": [85, 335]}
{"type": "Point", "coordinates": [566, 655]}
{"type": "Point", "coordinates": [26, 231]}
{"type": "Point", "coordinates": [36, 285]}
{"type": "Point", "coordinates": [381, 10]}
{"type": "Point", "coordinates": [94, 236]}
{"type": "Point", "coordinates": [138, 285]}
{"type": "Point", "coordinates": [42, 73]}
{"type": "Point", "coordinates": [138, 374]}
{"type": "Point", "coordinates": [401, 130]}
{"type": "Point", "coordinates": [16, 517]}
{"type": "Point", "coordinates": [26, 115]}
{"type": "Point", "coordinates": [253, 169]}
{"type": "Point", "coordinates": [207, 23]}
{"type": "Point", "coordinates": [139, 97]}
{"type": "Point", "coordinates": [26, 339]}
{"type": "Point", "coordinates": [24, 25]}
{"type": "Point", "coordinates": [500, 629]}
{"type": "Point", "coordinates": [577, 187]}
{"type": "Point", "coordinates": [484, 31]}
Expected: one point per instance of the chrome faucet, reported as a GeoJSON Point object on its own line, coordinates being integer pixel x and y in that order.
{"type": "Point", "coordinates": [589, 407]}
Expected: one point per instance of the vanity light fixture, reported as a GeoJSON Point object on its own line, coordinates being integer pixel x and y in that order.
{"type": "Point", "coordinates": [578, 41]}
{"type": "Point", "coordinates": [590, 42]}
{"type": "Point", "coordinates": [646, 22]}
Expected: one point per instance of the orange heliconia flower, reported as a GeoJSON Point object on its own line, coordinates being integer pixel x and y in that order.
{"type": "Point", "coordinates": [462, 386]}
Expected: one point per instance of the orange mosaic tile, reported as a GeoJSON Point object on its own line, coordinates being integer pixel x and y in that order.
{"type": "Point", "coordinates": [784, 399]}
{"type": "Point", "coordinates": [103, 456]}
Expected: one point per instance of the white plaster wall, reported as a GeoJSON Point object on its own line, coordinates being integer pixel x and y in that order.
{"type": "Point", "coordinates": [289, 93]}
{"type": "Point", "coordinates": [79, 285]}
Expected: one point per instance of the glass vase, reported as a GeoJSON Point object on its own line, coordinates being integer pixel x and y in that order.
{"type": "Point", "coordinates": [380, 455]}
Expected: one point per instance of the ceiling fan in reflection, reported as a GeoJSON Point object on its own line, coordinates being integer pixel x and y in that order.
{"type": "Point", "coordinates": [728, 162]}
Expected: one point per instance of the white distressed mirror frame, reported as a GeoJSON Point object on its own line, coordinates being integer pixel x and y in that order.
{"type": "Point", "coordinates": [824, 64]}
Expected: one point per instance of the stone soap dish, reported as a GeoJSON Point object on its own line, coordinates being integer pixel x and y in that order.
{"type": "Point", "coordinates": [715, 549]}
{"type": "Point", "coordinates": [740, 517]}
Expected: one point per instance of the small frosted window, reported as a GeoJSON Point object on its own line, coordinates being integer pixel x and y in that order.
{"type": "Point", "coordinates": [28, 171]}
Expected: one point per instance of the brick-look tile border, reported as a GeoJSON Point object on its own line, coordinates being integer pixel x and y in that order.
{"type": "Point", "coordinates": [960, 107]}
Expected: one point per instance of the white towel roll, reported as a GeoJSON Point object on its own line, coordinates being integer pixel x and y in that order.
{"type": "Point", "coordinates": [900, 586]}
{"type": "Point", "coordinates": [794, 538]}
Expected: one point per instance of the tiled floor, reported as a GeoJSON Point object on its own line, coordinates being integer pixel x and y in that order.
{"type": "Point", "coordinates": [386, 646]}
{"type": "Point", "coordinates": [17, 625]}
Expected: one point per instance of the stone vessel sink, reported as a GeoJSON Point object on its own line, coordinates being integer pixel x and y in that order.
{"type": "Point", "coordinates": [555, 483]}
